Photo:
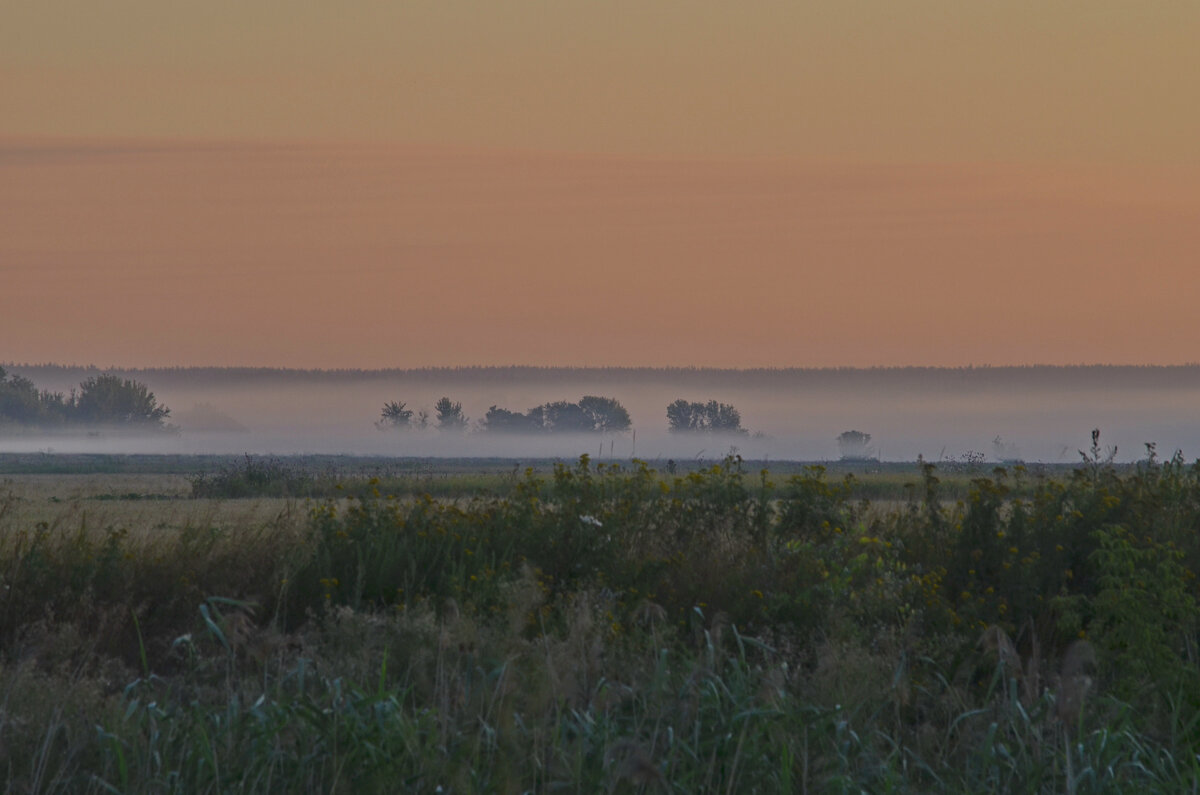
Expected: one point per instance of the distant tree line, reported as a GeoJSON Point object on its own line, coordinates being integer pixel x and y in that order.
{"type": "Point", "coordinates": [591, 414]}
{"type": "Point", "coordinates": [100, 400]}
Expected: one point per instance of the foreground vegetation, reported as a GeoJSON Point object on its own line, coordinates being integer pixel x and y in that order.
{"type": "Point", "coordinates": [333, 476]}
{"type": "Point", "coordinates": [320, 476]}
{"type": "Point", "coordinates": [607, 628]}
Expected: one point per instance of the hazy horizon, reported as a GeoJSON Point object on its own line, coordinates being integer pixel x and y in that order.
{"type": "Point", "coordinates": [1039, 414]}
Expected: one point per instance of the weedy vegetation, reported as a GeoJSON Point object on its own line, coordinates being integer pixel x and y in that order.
{"type": "Point", "coordinates": [614, 628]}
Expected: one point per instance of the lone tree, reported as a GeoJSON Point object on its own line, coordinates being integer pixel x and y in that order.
{"type": "Point", "coordinates": [395, 415]}
{"type": "Point", "coordinates": [710, 417]}
{"type": "Point", "coordinates": [855, 446]}
{"type": "Point", "coordinates": [450, 415]}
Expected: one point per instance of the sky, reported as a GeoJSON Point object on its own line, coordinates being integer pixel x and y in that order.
{"type": "Point", "coordinates": [382, 184]}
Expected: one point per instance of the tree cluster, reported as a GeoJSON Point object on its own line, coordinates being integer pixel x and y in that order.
{"type": "Point", "coordinates": [396, 414]}
{"type": "Point", "coordinates": [100, 400]}
{"type": "Point", "coordinates": [711, 417]}
{"type": "Point", "coordinates": [592, 414]}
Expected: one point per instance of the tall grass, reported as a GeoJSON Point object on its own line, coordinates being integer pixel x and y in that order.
{"type": "Point", "coordinates": [615, 629]}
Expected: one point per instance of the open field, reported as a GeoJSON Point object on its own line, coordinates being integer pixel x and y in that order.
{"type": "Point", "coordinates": [103, 476]}
{"type": "Point", "coordinates": [350, 625]}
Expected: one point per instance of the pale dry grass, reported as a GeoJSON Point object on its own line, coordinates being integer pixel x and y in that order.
{"type": "Point", "coordinates": [68, 487]}
{"type": "Point", "coordinates": [69, 501]}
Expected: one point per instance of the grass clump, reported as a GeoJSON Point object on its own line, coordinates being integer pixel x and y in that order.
{"type": "Point", "coordinates": [254, 476]}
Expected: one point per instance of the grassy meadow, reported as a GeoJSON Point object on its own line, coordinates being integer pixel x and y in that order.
{"type": "Point", "coordinates": [192, 624]}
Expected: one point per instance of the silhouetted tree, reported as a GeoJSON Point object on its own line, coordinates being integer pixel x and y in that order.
{"type": "Point", "coordinates": [564, 417]}
{"type": "Point", "coordinates": [395, 415]}
{"type": "Point", "coordinates": [450, 415]}
{"type": "Point", "coordinates": [606, 414]}
{"type": "Point", "coordinates": [103, 399]}
{"type": "Point", "coordinates": [500, 420]}
{"type": "Point", "coordinates": [19, 401]}
{"type": "Point", "coordinates": [723, 418]}
{"type": "Point", "coordinates": [854, 445]}
{"type": "Point", "coordinates": [110, 399]}
{"type": "Point", "coordinates": [683, 416]}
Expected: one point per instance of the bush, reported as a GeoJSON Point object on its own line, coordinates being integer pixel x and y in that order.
{"type": "Point", "coordinates": [255, 477]}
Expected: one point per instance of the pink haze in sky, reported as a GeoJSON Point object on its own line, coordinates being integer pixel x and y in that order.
{"type": "Point", "coordinates": [378, 256]}
{"type": "Point", "coordinates": [444, 182]}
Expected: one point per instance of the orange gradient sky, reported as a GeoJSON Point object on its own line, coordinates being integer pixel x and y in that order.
{"type": "Point", "coordinates": [375, 184]}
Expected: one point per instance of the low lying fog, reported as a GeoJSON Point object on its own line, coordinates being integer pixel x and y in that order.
{"type": "Point", "coordinates": [1033, 414]}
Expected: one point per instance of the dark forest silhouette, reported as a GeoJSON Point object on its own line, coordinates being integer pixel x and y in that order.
{"type": "Point", "coordinates": [101, 400]}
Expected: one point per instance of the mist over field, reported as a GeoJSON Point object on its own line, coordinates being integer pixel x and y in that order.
{"type": "Point", "coordinates": [1040, 414]}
